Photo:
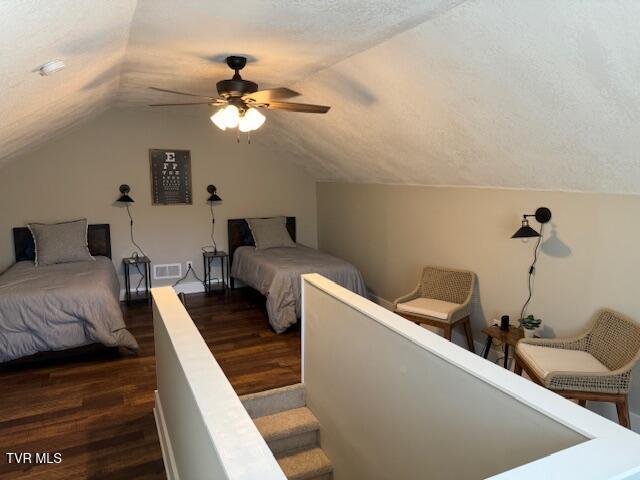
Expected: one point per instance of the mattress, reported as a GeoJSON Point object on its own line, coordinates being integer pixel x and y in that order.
{"type": "Point", "coordinates": [276, 273]}
{"type": "Point", "coordinates": [61, 306]}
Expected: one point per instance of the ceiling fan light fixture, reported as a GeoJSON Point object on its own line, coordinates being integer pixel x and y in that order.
{"type": "Point", "coordinates": [219, 120]}
{"type": "Point", "coordinates": [231, 116]}
{"type": "Point", "coordinates": [251, 120]}
{"type": "Point", "coordinates": [227, 117]}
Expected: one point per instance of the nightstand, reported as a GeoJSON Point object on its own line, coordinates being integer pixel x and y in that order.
{"type": "Point", "coordinates": [509, 338]}
{"type": "Point", "coordinates": [141, 265]}
{"type": "Point", "coordinates": [209, 258]}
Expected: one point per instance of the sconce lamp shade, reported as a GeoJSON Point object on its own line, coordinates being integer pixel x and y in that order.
{"type": "Point", "coordinates": [213, 195]}
{"type": "Point", "coordinates": [542, 215]}
{"type": "Point", "coordinates": [525, 231]}
{"type": "Point", "coordinates": [124, 194]}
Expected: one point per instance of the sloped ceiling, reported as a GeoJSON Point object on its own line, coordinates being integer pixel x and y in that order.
{"type": "Point", "coordinates": [513, 93]}
{"type": "Point", "coordinates": [115, 49]}
{"type": "Point", "coordinates": [523, 94]}
{"type": "Point", "coordinates": [182, 45]}
{"type": "Point", "coordinates": [91, 37]}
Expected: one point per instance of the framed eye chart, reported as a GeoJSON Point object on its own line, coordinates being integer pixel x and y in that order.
{"type": "Point", "coordinates": [170, 176]}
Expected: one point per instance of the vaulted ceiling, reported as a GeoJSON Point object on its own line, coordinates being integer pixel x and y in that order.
{"type": "Point", "coordinates": [509, 93]}
{"type": "Point", "coordinates": [115, 49]}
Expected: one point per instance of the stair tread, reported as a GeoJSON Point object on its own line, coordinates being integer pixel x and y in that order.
{"type": "Point", "coordinates": [286, 424]}
{"type": "Point", "coordinates": [273, 392]}
{"type": "Point", "coordinates": [306, 464]}
{"type": "Point", "coordinates": [269, 402]}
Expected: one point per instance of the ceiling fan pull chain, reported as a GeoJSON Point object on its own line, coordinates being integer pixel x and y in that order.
{"type": "Point", "coordinates": [248, 138]}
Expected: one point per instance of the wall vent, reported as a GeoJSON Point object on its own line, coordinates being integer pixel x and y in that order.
{"type": "Point", "coordinates": [168, 270]}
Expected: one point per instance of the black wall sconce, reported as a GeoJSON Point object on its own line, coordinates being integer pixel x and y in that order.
{"type": "Point", "coordinates": [213, 198]}
{"type": "Point", "coordinates": [127, 200]}
{"type": "Point", "coordinates": [124, 194]}
{"type": "Point", "coordinates": [542, 216]}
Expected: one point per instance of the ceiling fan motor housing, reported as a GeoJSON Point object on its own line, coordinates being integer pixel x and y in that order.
{"type": "Point", "coordinates": [235, 87]}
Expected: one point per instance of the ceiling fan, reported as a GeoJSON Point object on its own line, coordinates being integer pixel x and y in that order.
{"type": "Point", "coordinates": [241, 100]}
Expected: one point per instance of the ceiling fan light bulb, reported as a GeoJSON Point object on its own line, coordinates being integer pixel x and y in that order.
{"type": "Point", "coordinates": [251, 120]}
{"type": "Point", "coordinates": [231, 116]}
{"type": "Point", "coordinates": [219, 120]}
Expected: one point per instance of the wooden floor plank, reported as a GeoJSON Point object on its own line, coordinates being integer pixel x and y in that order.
{"type": "Point", "coordinates": [96, 408]}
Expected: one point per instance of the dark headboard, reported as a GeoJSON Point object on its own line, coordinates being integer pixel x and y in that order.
{"type": "Point", "coordinates": [240, 234]}
{"type": "Point", "coordinates": [98, 238]}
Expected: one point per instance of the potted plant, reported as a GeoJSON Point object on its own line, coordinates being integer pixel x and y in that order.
{"type": "Point", "coordinates": [530, 325]}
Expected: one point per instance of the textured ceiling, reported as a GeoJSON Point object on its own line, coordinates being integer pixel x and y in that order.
{"type": "Point", "coordinates": [91, 37]}
{"type": "Point", "coordinates": [509, 93]}
{"type": "Point", "coordinates": [522, 94]}
{"type": "Point", "coordinates": [115, 49]}
{"type": "Point", "coordinates": [182, 45]}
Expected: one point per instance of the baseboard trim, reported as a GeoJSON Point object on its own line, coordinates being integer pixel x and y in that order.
{"type": "Point", "coordinates": [165, 441]}
{"type": "Point", "coordinates": [184, 287]}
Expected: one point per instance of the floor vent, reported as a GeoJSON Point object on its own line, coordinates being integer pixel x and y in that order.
{"type": "Point", "coordinates": [168, 270]}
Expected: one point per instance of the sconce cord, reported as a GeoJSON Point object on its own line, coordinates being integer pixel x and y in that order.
{"type": "Point", "coordinates": [213, 224]}
{"type": "Point", "coordinates": [532, 272]}
{"type": "Point", "coordinates": [131, 232]}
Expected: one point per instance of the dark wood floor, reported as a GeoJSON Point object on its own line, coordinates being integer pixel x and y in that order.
{"type": "Point", "coordinates": [96, 408]}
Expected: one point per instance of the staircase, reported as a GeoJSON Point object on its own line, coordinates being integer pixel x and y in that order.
{"type": "Point", "coordinates": [291, 431]}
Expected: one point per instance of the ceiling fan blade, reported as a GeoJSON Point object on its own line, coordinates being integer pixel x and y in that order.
{"type": "Point", "coordinates": [265, 96]}
{"type": "Point", "coordinates": [180, 93]}
{"type": "Point", "coordinates": [297, 107]}
{"type": "Point", "coordinates": [182, 104]}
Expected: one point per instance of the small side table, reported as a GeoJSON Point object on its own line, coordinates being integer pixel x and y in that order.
{"type": "Point", "coordinates": [135, 262]}
{"type": "Point", "coordinates": [208, 258]}
{"type": "Point", "coordinates": [509, 338]}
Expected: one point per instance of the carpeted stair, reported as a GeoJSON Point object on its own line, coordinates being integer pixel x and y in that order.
{"type": "Point", "coordinates": [291, 431]}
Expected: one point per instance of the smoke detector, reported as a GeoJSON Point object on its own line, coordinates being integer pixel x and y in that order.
{"type": "Point", "coordinates": [51, 67]}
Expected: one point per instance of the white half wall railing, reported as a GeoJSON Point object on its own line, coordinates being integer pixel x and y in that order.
{"type": "Point", "coordinates": [205, 432]}
{"type": "Point", "coordinates": [396, 401]}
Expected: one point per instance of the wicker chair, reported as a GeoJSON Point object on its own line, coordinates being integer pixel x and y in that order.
{"type": "Point", "coordinates": [595, 365]}
{"type": "Point", "coordinates": [441, 299]}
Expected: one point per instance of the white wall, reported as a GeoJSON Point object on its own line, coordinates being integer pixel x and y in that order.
{"type": "Point", "coordinates": [588, 259]}
{"type": "Point", "coordinates": [78, 176]}
{"type": "Point", "coordinates": [204, 431]}
{"type": "Point", "coordinates": [397, 402]}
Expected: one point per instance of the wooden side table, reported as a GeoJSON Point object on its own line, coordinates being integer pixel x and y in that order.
{"type": "Point", "coordinates": [135, 262]}
{"type": "Point", "coordinates": [509, 338]}
{"type": "Point", "coordinates": [207, 259]}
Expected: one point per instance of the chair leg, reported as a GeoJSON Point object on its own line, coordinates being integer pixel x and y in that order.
{"type": "Point", "coordinates": [447, 332]}
{"type": "Point", "coordinates": [622, 406]}
{"type": "Point", "coordinates": [517, 368]}
{"type": "Point", "coordinates": [467, 330]}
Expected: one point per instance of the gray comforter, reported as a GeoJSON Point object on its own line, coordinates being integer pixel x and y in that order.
{"type": "Point", "coordinates": [275, 272]}
{"type": "Point", "coordinates": [60, 306]}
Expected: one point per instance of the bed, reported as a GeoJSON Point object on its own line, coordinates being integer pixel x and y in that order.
{"type": "Point", "coordinates": [61, 306]}
{"type": "Point", "coordinates": [275, 272]}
